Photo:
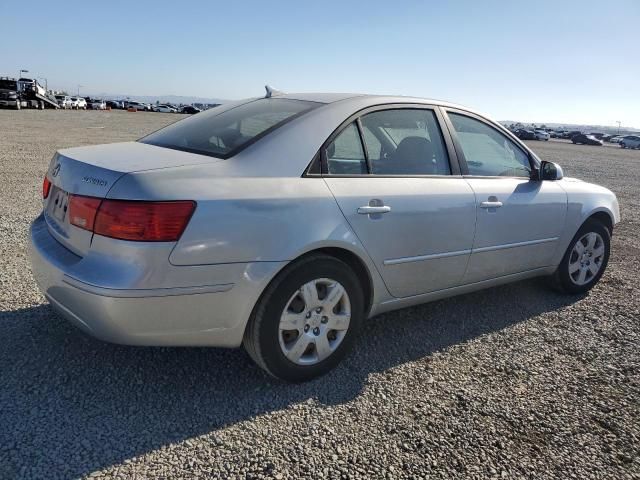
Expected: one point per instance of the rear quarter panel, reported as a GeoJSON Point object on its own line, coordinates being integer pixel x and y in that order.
{"type": "Point", "coordinates": [248, 219]}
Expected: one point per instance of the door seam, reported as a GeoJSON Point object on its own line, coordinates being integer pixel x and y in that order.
{"type": "Point", "coordinates": [475, 227]}
{"type": "Point", "coordinates": [364, 247]}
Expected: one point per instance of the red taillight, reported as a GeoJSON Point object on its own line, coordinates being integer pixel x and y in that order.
{"type": "Point", "coordinates": [143, 221]}
{"type": "Point", "coordinates": [129, 219]}
{"type": "Point", "coordinates": [46, 186]}
{"type": "Point", "coordinates": [83, 210]}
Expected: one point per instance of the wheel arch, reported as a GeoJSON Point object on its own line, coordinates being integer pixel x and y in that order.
{"type": "Point", "coordinates": [357, 265]}
{"type": "Point", "coordinates": [352, 259]}
{"type": "Point", "coordinates": [604, 217]}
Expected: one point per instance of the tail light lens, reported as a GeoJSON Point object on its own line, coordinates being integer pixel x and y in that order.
{"type": "Point", "coordinates": [139, 221]}
{"type": "Point", "coordinates": [83, 210]}
{"type": "Point", "coordinates": [46, 187]}
{"type": "Point", "coordinates": [143, 221]}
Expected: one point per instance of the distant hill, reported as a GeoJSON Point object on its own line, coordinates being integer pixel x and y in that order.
{"type": "Point", "coordinates": [175, 99]}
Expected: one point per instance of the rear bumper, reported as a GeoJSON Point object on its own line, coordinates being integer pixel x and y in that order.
{"type": "Point", "coordinates": [195, 315]}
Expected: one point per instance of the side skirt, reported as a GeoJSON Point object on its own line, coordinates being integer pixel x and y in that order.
{"type": "Point", "coordinates": [397, 303]}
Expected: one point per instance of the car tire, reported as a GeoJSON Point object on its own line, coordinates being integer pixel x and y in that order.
{"type": "Point", "coordinates": [566, 278]}
{"type": "Point", "coordinates": [295, 355]}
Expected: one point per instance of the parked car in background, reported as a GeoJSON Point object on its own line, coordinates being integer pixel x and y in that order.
{"type": "Point", "coordinates": [90, 102]}
{"type": "Point", "coordinates": [523, 134]}
{"type": "Point", "coordinates": [98, 105]}
{"type": "Point", "coordinates": [164, 109]}
{"type": "Point", "coordinates": [74, 102]}
{"type": "Point", "coordinates": [541, 135]}
{"type": "Point", "coordinates": [113, 104]}
{"type": "Point", "coordinates": [81, 104]}
{"type": "Point", "coordinates": [190, 109]}
{"type": "Point", "coordinates": [138, 106]}
{"type": "Point", "coordinates": [630, 141]}
{"type": "Point", "coordinates": [583, 139]}
{"type": "Point", "coordinates": [616, 139]}
{"type": "Point", "coordinates": [570, 134]}
{"type": "Point", "coordinates": [598, 135]}
{"type": "Point", "coordinates": [283, 223]}
{"type": "Point", "coordinates": [64, 101]}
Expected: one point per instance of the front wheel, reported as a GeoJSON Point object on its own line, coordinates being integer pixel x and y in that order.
{"type": "Point", "coordinates": [306, 320]}
{"type": "Point", "coordinates": [585, 260]}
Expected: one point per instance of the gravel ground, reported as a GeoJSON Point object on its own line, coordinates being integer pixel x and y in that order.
{"type": "Point", "coordinates": [511, 382]}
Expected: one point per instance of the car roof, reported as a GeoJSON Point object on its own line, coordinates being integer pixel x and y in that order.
{"type": "Point", "coordinates": [373, 99]}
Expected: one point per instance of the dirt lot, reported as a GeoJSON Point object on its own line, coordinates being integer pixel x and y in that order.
{"type": "Point", "coordinates": [512, 382]}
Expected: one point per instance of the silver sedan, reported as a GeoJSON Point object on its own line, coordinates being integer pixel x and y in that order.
{"type": "Point", "coordinates": [282, 223]}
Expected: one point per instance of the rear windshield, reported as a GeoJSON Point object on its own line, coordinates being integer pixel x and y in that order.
{"type": "Point", "coordinates": [223, 134]}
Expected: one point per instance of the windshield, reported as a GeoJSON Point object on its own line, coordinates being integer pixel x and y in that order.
{"type": "Point", "coordinates": [226, 133]}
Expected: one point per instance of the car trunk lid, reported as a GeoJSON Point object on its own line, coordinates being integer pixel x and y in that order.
{"type": "Point", "coordinates": [92, 172]}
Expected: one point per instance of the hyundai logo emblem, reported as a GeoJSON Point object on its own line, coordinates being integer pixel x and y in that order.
{"type": "Point", "coordinates": [56, 171]}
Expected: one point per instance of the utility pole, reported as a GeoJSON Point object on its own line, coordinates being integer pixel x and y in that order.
{"type": "Point", "coordinates": [618, 122]}
{"type": "Point", "coordinates": [46, 84]}
{"type": "Point", "coordinates": [21, 72]}
{"type": "Point", "coordinates": [79, 87]}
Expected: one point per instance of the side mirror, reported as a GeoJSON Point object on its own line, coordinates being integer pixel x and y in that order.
{"type": "Point", "coordinates": [550, 171]}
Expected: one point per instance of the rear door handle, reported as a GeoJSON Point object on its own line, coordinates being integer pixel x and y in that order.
{"type": "Point", "coordinates": [490, 204]}
{"type": "Point", "coordinates": [368, 209]}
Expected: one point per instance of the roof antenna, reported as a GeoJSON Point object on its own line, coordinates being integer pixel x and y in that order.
{"type": "Point", "coordinates": [272, 92]}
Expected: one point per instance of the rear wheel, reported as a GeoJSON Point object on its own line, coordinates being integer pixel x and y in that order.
{"type": "Point", "coordinates": [307, 319]}
{"type": "Point", "coordinates": [585, 260]}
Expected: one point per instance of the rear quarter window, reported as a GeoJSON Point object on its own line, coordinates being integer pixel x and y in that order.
{"type": "Point", "coordinates": [223, 134]}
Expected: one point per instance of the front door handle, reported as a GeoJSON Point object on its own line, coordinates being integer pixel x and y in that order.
{"type": "Point", "coordinates": [368, 209]}
{"type": "Point", "coordinates": [491, 204]}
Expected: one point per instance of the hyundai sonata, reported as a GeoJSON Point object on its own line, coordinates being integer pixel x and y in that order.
{"type": "Point", "coordinates": [282, 223]}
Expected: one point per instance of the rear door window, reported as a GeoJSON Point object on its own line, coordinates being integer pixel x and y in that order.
{"type": "Point", "coordinates": [405, 142]}
{"type": "Point", "coordinates": [345, 155]}
{"type": "Point", "coordinates": [223, 134]}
